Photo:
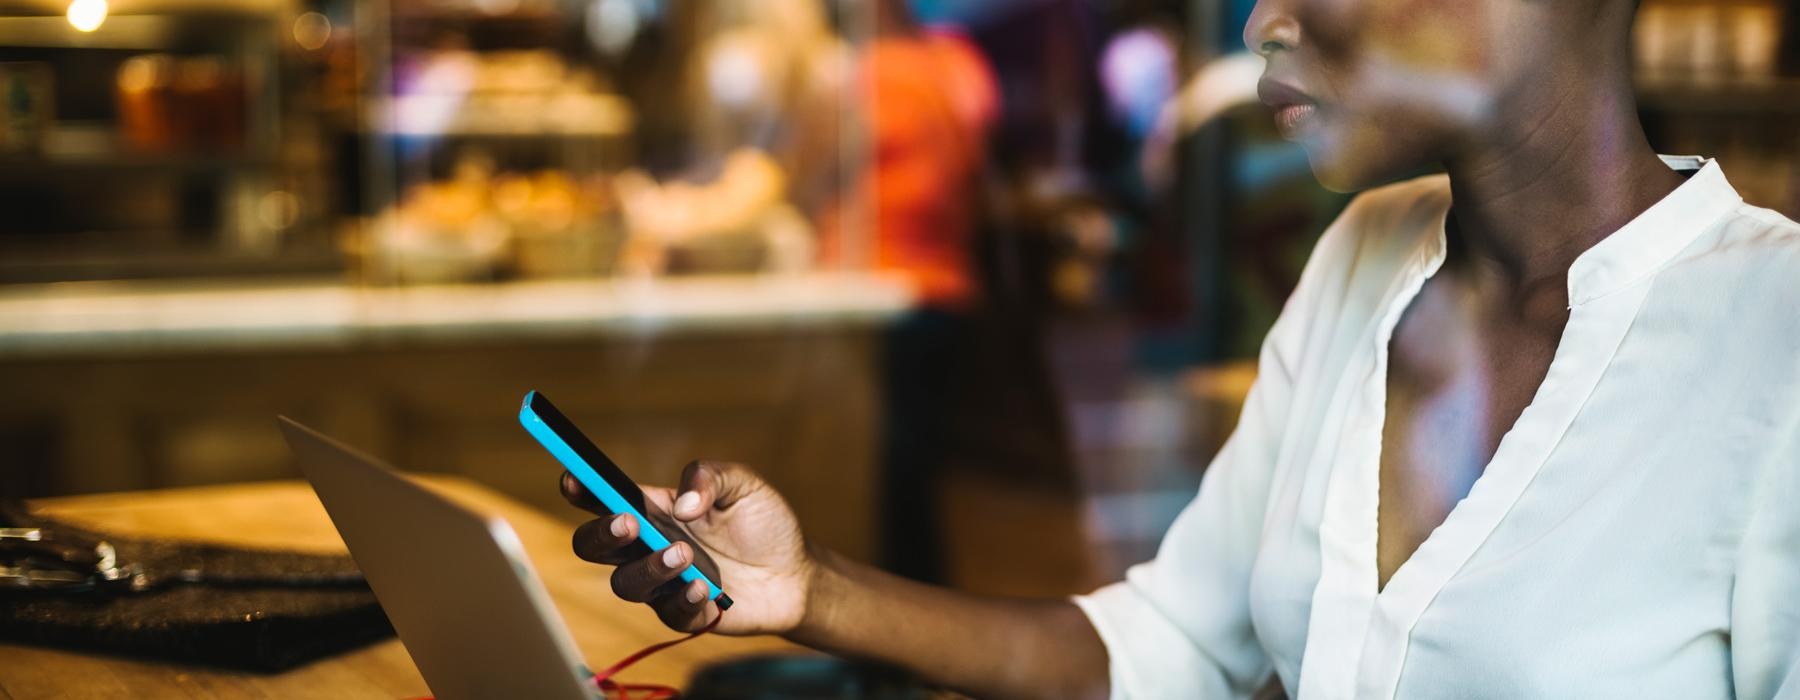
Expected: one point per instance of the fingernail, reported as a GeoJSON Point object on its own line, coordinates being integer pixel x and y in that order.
{"type": "Point", "coordinates": [672, 556]}
{"type": "Point", "coordinates": [618, 526]}
{"type": "Point", "coordinates": [696, 594]}
{"type": "Point", "coordinates": [688, 503]}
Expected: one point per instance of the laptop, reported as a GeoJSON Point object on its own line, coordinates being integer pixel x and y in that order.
{"type": "Point", "coordinates": [456, 585]}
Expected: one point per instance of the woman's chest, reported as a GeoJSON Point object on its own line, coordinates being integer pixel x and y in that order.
{"type": "Point", "coordinates": [1613, 576]}
{"type": "Point", "coordinates": [1457, 380]}
{"type": "Point", "coordinates": [1607, 530]}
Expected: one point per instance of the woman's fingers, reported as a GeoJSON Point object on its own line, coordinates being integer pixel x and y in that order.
{"type": "Point", "coordinates": [607, 540]}
{"type": "Point", "coordinates": [686, 609]}
{"type": "Point", "coordinates": [655, 579]}
{"type": "Point", "coordinates": [638, 581]}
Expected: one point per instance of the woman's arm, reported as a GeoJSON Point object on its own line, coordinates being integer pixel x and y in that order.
{"type": "Point", "coordinates": [988, 647]}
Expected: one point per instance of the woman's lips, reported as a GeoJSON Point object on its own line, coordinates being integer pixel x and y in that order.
{"type": "Point", "coordinates": [1292, 120]}
{"type": "Point", "coordinates": [1294, 110]}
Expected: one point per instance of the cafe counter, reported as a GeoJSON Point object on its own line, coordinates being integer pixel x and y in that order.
{"type": "Point", "coordinates": [123, 386]}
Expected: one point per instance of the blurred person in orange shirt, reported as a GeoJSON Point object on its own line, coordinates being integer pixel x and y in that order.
{"type": "Point", "coordinates": [929, 98]}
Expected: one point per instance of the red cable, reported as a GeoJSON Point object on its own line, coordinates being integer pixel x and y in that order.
{"type": "Point", "coordinates": [649, 691]}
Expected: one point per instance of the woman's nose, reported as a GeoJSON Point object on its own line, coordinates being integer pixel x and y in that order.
{"type": "Point", "coordinates": [1272, 27]}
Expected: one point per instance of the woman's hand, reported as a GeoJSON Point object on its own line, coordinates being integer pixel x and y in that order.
{"type": "Point", "coordinates": [986, 647]}
{"type": "Point", "coordinates": [740, 522]}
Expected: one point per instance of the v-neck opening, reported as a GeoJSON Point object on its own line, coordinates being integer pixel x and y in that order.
{"type": "Point", "coordinates": [1390, 323]}
{"type": "Point", "coordinates": [1432, 254]}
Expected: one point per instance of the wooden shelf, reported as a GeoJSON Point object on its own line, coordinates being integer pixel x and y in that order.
{"type": "Point", "coordinates": [1725, 96]}
{"type": "Point", "coordinates": [482, 116]}
{"type": "Point", "coordinates": [22, 266]}
{"type": "Point", "coordinates": [14, 168]}
{"type": "Point", "coordinates": [139, 31]}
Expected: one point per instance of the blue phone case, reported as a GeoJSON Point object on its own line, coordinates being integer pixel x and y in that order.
{"type": "Point", "coordinates": [565, 442]}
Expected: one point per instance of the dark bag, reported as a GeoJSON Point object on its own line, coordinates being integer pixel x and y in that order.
{"type": "Point", "coordinates": [247, 609]}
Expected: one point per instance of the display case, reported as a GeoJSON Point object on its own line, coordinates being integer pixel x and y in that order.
{"type": "Point", "coordinates": [426, 141]}
{"type": "Point", "coordinates": [529, 139]}
{"type": "Point", "coordinates": [157, 138]}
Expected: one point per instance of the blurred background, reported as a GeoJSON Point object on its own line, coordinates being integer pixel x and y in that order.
{"type": "Point", "coordinates": [992, 268]}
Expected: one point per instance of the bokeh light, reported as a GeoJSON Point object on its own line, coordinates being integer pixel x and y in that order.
{"type": "Point", "coordinates": [87, 15]}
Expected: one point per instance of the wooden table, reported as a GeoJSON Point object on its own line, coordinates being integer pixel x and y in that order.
{"type": "Point", "coordinates": [287, 515]}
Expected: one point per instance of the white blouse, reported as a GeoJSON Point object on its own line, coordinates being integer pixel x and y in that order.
{"type": "Point", "coordinates": [1637, 534]}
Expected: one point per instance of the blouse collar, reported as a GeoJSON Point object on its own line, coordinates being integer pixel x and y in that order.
{"type": "Point", "coordinates": [1655, 236]}
{"type": "Point", "coordinates": [1641, 246]}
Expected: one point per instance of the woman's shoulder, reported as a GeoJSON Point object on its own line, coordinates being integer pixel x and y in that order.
{"type": "Point", "coordinates": [1378, 233]}
{"type": "Point", "coordinates": [1755, 230]}
{"type": "Point", "coordinates": [1740, 280]}
{"type": "Point", "coordinates": [1416, 197]}
{"type": "Point", "coordinates": [1390, 220]}
{"type": "Point", "coordinates": [1752, 251]}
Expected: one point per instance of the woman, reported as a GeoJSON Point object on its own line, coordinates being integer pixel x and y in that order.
{"type": "Point", "coordinates": [1530, 429]}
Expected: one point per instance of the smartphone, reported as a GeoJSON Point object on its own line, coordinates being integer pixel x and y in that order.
{"type": "Point", "coordinates": [617, 492]}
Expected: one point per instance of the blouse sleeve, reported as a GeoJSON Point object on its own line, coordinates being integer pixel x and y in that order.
{"type": "Point", "coordinates": [1179, 626]}
{"type": "Point", "coordinates": [1765, 606]}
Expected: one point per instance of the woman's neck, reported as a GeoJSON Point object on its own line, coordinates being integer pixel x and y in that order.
{"type": "Point", "coordinates": [1570, 166]}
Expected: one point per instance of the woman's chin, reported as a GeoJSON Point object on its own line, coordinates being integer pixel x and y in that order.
{"type": "Point", "coordinates": [1345, 173]}
{"type": "Point", "coordinates": [1365, 155]}
{"type": "Point", "coordinates": [1336, 175]}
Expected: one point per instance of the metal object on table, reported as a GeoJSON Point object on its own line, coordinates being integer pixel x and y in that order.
{"type": "Point", "coordinates": [43, 556]}
{"type": "Point", "coordinates": [37, 558]}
